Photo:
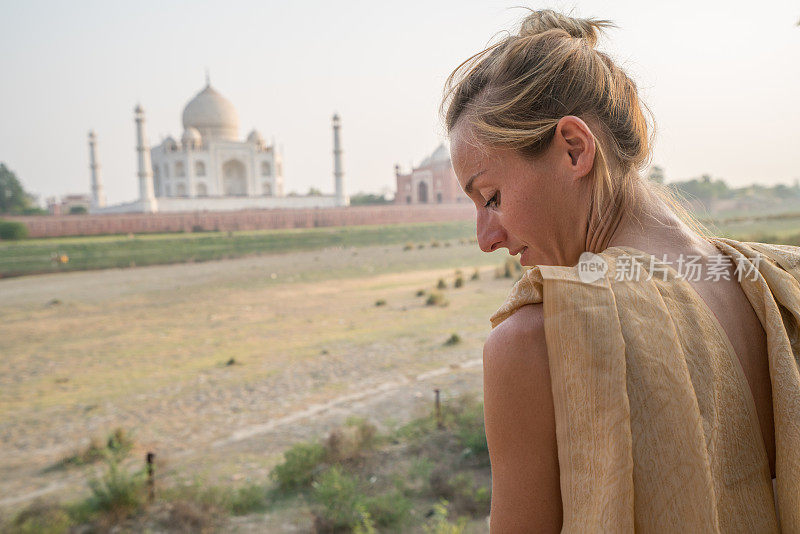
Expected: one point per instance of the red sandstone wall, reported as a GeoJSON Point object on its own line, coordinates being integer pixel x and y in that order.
{"type": "Point", "coordinates": [67, 225]}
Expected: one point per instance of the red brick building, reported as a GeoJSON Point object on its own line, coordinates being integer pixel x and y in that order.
{"type": "Point", "coordinates": [432, 182]}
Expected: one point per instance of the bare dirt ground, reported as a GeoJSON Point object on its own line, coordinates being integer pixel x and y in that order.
{"type": "Point", "coordinates": [146, 349]}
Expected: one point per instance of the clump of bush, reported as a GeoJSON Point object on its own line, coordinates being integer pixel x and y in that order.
{"type": "Point", "coordinates": [350, 441]}
{"type": "Point", "coordinates": [439, 524]}
{"type": "Point", "coordinates": [436, 298]}
{"type": "Point", "coordinates": [408, 246]}
{"type": "Point", "coordinates": [301, 463]}
{"type": "Point", "coordinates": [459, 282]}
{"type": "Point", "coordinates": [476, 275]}
{"type": "Point", "coordinates": [454, 339]}
{"type": "Point", "coordinates": [118, 493]}
{"type": "Point", "coordinates": [462, 492]}
{"type": "Point", "coordinates": [420, 293]}
{"type": "Point", "coordinates": [511, 268]}
{"type": "Point", "coordinates": [441, 284]}
{"type": "Point", "coordinates": [117, 446]}
{"type": "Point", "coordinates": [380, 302]}
{"type": "Point", "coordinates": [41, 517]}
{"type": "Point", "coordinates": [435, 244]}
{"type": "Point", "coordinates": [342, 505]}
{"type": "Point", "coordinates": [13, 230]}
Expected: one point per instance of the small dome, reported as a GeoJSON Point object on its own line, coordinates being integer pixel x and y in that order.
{"type": "Point", "coordinates": [212, 115]}
{"type": "Point", "coordinates": [191, 138]}
{"type": "Point", "coordinates": [170, 143]}
{"type": "Point", "coordinates": [440, 155]}
{"type": "Point", "coordinates": [256, 138]}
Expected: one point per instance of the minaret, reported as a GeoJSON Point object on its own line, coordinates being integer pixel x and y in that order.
{"type": "Point", "coordinates": [338, 170]}
{"type": "Point", "coordinates": [98, 195]}
{"type": "Point", "coordinates": [146, 197]}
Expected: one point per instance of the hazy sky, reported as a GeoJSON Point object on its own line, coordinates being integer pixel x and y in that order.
{"type": "Point", "coordinates": [723, 79]}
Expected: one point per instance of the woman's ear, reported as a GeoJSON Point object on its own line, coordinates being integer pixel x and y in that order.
{"type": "Point", "coordinates": [575, 141]}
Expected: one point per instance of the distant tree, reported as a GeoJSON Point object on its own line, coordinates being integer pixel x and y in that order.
{"type": "Point", "coordinates": [314, 192]}
{"type": "Point", "coordinates": [77, 210]}
{"type": "Point", "coordinates": [704, 188]}
{"type": "Point", "coordinates": [13, 198]}
{"type": "Point", "coordinates": [365, 199]}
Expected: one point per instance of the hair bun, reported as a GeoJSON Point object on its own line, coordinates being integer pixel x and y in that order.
{"type": "Point", "coordinates": [546, 19]}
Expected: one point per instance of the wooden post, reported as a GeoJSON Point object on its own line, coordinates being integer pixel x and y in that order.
{"type": "Point", "coordinates": [439, 423]}
{"type": "Point", "coordinates": [151, 482]}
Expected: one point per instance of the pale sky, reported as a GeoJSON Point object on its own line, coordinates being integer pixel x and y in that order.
{"type": "Point", "coordinates": [722, 78]}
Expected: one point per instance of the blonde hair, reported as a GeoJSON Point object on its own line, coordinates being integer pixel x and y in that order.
{"type": "Point", "coordinates": [515, 92]}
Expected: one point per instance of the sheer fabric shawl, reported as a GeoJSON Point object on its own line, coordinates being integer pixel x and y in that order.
{"type": "Point", "coordinates": [655, 423]}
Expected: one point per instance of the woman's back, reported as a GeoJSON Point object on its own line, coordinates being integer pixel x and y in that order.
{"type": "Point", "coordinates": [656, 425]}
{"type": "Point", "coordinates": [726, 299]}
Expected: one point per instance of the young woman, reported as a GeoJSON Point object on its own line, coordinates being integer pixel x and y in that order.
{"type": "Point", "coordinates": [620, 394]}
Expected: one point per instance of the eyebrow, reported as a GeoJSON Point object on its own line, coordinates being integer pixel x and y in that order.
{"type": "Point", "coordinates": [468, 187]}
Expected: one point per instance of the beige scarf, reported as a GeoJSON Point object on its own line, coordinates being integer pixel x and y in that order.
{"type": "Point", "coordinates": [655, 423]}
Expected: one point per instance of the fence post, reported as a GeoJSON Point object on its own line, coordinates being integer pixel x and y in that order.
{"type": "Point", "coordinates": [439, 423]}
{"type": "Point", "coordinates": [151, 482]}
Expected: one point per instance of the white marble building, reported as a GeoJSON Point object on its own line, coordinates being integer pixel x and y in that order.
{"type": "Point", "coordinates": [210, 167]}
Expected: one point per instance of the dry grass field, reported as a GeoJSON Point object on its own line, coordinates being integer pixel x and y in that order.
{"type": "Point", "coordinates": [218, 367]}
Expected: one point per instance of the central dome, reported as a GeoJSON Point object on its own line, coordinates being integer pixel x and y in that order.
{"type": "Point", "coordinates": [212, 115]}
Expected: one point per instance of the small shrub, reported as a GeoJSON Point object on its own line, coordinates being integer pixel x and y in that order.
{"type": "Point", "coordinates": [476, 275]}
{"type": "Point", "coordinates": [248, 499]}
{"type": "Point", "coordinates": [436, 298]}
{"type": "Point", "coordinates": [420, 292]}
{"type": "Point", "coordinates": [119, 443]}
{"type": "Point", "coordinates": [439, 524]}
{"type": "Point", "coordinates": [41, 517]}
{"type": "Point", "coordinates": [389, 509]}
{"type": "Point", "coordinates": [300, 465]}
{"type": "Point", "coordinates": [441, 284]}
{"type": "Point", "coordinates": [78, 210]}
{"type": "Point", "coordinates": [341, 503]}
{"type": "Point", "coordinates": [380, 302]}
{"type": "Point", "coordinates": [408, 246]}
{"type": "Point", "coordinates": [342, 506]}
{"type": "Point", "coordinates": [454, 339]}
{"type": "Point", "coordinates": [13, 230]}
{"type": "Point", "coordinates": [349, 442]}
{"type": "Point", "coordinates": [459, 282]}
{"type": "Point", "coordinates": [421, 245]}
{"type": "Point", "coordinates": [470, 427]}
{"type": "Point", "coordinates": [118, 493]}
{"type": "Point", "coordinates": [435, 244]}
{"type": "Point", "coordinates": [512, 268]}
{"type": "Point", "coordinates": [469, 498]}
{"type": "Point", "coordinates": [117, 446]}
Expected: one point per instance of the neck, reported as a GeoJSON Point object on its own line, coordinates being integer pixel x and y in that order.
{"type": "Point", "coordinates": [648, 225]}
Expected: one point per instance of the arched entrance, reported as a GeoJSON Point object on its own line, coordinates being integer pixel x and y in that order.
{"type": "Point", "coordinates": [234, 178]}
{"type": "Point", "coordinates": [422, 193]}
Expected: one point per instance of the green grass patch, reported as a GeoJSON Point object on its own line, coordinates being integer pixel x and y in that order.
{"type": "Point", "coordinates": [83, 253]}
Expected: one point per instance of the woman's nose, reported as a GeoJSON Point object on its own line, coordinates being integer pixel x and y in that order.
{"type": "Point", "coordinates": [491, 234]}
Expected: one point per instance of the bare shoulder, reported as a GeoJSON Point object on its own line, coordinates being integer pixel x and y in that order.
{"type": "Point", "coordinates": [517, 340]}
{"type": "Point", "coordinates": [520, 426]}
